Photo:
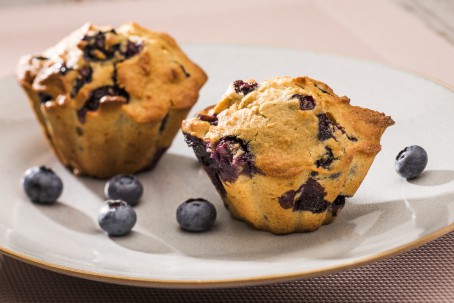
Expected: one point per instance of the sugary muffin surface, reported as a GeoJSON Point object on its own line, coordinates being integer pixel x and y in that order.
{"type": "Point", "coordinates": [101, 85]}
{"type": "Point", "coordinates": [285, 153]}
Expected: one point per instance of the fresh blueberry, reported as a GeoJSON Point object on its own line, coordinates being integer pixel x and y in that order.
{"type": "Point", "coordinates": [117, 218]}
{"type": "Point", "coordinates": [411, 161]}
{"type": "Point", "coordinates": [42, 185]}
{"type": "Point", "coordinates": [196, 215]}
{"type": "Point", "coordinates": [124, 187]}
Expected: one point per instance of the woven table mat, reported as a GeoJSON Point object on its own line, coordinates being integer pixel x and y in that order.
{"type": "Point", "coordinates": [425, 274]}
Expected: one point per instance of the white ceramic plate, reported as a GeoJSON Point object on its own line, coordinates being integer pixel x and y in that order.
{"type": "Point", "coordinates": [388, 214]}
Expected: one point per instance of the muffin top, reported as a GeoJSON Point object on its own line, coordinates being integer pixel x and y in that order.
{"type": "Point", "coordinates": [140, 72]}
{"type": "Point", "coordinates": [284, 126]}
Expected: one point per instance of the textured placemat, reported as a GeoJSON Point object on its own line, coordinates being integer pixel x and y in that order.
{"type": "Point", "coordinates": [425, 274]}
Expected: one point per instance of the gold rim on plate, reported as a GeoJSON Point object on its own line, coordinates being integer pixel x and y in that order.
{"type": "Point", "coordinates": [116, 279]}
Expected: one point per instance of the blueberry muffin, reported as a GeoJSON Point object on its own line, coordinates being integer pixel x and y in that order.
{"type": "Point", "coordinates": [284, 154]}
{"type": "Point", "coordinates": [108, 100]}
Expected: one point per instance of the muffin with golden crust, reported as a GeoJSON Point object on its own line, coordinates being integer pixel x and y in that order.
{"type": "Point", "coordinates": [284, 154]}
{"type": "Point", "coordinates": [111, 101]}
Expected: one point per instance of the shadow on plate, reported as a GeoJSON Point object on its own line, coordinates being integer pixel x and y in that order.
{"type": "Point", "coordinates": [94, 185]}
{"type": "Point", "coordinates": [433, 178]}
{"type": "Point", "coordinates": [144, 243]}
{"type": "Point", "coordinates": [69, 217]}
{"type": "Point", "coordinates": [177, 178]}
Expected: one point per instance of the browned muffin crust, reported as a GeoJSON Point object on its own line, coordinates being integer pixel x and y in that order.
{"type": "Point", "coordinates": [285, 153]}
{"type": "Point", "coordinates": [111, 100]}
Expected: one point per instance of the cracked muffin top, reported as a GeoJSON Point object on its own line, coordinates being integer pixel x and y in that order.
{"type": "Point", "coordinates": [95, 66]}
{"type": "Point", "coordinates": [284, 126]}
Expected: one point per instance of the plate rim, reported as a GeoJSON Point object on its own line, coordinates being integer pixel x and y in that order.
{"type": "Point", "coordinates": [260, 279]}
{"type": "Point", "coordinates": [225, 283]}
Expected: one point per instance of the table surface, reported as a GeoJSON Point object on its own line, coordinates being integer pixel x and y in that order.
{"type": "Point", "coordinates": [417, 35]}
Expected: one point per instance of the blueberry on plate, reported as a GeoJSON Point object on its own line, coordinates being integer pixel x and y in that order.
{"type": "Point", "coordinates": [196, 215]}
{"type": "Point", "coordinates": [124, 187]}
{"type": "Point", "coordinates": [411, 161]}
{"type": "Point", "coordinates": [117, 217]}
{"type": "Point", "coordinates": [42, 185]}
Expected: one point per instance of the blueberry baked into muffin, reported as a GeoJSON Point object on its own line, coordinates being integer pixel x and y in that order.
{"type": "Point", "coordinates": [108, 100]}
{"type": "Point", "coordinates": [284, 154]}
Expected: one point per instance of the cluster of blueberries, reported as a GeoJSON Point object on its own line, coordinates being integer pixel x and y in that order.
{"type": "Point", "coordinates": [117, 216]}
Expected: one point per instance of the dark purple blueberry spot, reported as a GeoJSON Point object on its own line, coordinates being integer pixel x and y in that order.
{"type": "Point", "coordinates": [309, 197]}
{"type": "Point", "coordinates": [335, 176]}
{"type": "Point", "coordinates": [86, 73]}
{"type": "Point", "coordinates": [40, 58]}
{"type": "Point", "coordinates": [342, 129]}
{"type": "Point", "coordinates": [81, 113]}
{"type": "Point", "coordinates": [337, 205]}
{"type": "Point", "coordinates": [322, 90]}
{"type": "Point", "coordinates": [205, 159]}
{"type": "Point", "coordinates": [314, 174]}
{"type": "Point", "coordinates": [306, 102]}
{"type": "Point", "coordinates": [114, 74]}
{"type": "Point", "coordinates": [244, 88]}
{"type": "Point", "coordinates": [78, 83]}
{"type": "Point", "coordinates": [44, 97]}
{"type": "Point", "coordinates": [97, 44]}
{"type": "Point", "coordinates": [212, 119]}
{"type": "Point", "coordinates": [163, 123]}
{"type": "Point", "coordinates": [199, 148]}
{"type": "Point", "coordinates": [233, 157]}
{"type": "Point", "coordinates": [132, 49]}
{"type": "Point", "coordinates": [79, 131]}
{"type": "Point", "coordinates": [92, 103]}
{"type": "Point", "coordinates": [94, 43]}
{"type": "Point", "coordinates": [327, 158]}
{"type": "Point", "coordinates": [184, 71]}
{"type": "Point", "coordinates": [287, 199]}
{"type": "Point", "coordinates": [109, 90]}
{"type": "Point", "coordinates": [325, 127]}
{"type": "Point", "coordinates": [351, 138]}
